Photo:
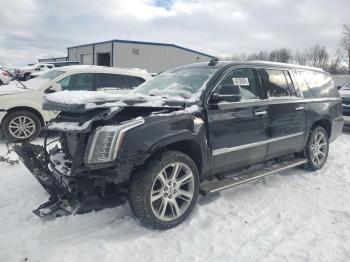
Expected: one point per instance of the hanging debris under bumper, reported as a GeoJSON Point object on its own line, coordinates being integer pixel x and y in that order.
{"type": "Point", "coordinates": [63, 198]}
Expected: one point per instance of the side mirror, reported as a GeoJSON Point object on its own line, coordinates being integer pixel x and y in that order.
{"type": "Point", "coordinates": [339, 87]}
{"type": "Point", "coordinates": [56, 87]}
{"type": "Point", "coordinates": [227, 93]}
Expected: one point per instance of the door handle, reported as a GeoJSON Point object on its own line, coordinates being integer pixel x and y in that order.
{"type": "Point", "coordinates": [260, 113]}
{"type": "Point", "coordinates": [299, 108]}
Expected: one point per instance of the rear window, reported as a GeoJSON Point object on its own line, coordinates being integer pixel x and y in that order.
{"type": "Point", "coordinates": [134, 81]}
{"type": "Point", "coordinates": [112, 81]}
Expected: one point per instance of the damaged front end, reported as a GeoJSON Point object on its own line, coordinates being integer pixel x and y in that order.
{"type": "Point", "coordinates": [69, 194]}
{"type": "Point", "coordinates": [88, 167]}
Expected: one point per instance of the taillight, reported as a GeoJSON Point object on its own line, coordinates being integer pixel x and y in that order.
{"type": "Point", "coordinates": [5, 74]}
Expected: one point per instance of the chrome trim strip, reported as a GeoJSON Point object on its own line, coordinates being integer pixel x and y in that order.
{"type": "Point", "coordinates": [275, 102]}
{"type": "Point", "coordinates": [260, 113]}
{"type": "Point", "coordinates": [236, 148]}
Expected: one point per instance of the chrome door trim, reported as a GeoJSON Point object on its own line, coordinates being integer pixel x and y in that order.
{"type": "Point", "coordinates": [225, 150]}
{"type": "Point", "coordinates": [260, 113]}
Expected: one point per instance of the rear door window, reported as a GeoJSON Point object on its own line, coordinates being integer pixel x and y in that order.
{"type": "Point", "coordinates": [278, 83]}
{"type": "Point", "coordinates": [83, 81]}
{"type": "Point", "coordinates": [112, 81]}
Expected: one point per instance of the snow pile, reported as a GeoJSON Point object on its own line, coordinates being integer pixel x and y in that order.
{"type": "Point", "coordinates": [294, 216]}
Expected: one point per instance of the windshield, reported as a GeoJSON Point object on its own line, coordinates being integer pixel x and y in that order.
{"type": "Point", "coordinates": [183, 82]}
{"type": "Point", "coordinates": [51, 74]}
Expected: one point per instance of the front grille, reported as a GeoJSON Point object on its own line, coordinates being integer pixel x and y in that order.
{"type": "Point", "coordinates": [69, 144]}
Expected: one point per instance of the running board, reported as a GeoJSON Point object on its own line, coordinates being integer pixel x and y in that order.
{"type": "Point", "coordinates": [232, 181]}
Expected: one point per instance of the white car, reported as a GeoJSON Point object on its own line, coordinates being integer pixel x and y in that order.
{"type": "Point", "coordinates": [21, 114]}
{"type": "Point", "coordinates": [25, 73]}
{"type": "Point", "coordinates": [5, 77]}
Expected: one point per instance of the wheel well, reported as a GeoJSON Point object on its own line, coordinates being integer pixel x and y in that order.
{"type": "Point", "coordinates": [30, 109]}
{"type": "Point", "coordinates": [326, 124]}
{"type": "Point", "coordinates": [189, 148]}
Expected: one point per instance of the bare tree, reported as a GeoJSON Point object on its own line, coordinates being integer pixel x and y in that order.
{"type": "Point", "coordinates": [345, 45]}
{"type": "Point", "coordinates": [262, 56]}
{"type": "Point", "coordinates": [300, 58]}
{"type": "Point", "coordinates": [282, 55]}
{"type": "Point", "coordinates": [237, 57]}
{"type": "Point", "coordinates": [333, 66]}
{"type": "Point", "coordinates": [317, 56]}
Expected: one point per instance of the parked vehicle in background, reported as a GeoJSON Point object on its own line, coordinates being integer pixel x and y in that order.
{"type": "Point", "coordinates": [25, 73]}
{"type": "Point", "coordinates": [345, 95]}
{"type": "Point", "coordinates": [199, 128]}
{"type": "Point", "coordinates": [5, 77]}
{"type": "Point", "coordinates": [64, 63]}
{"type": "Point", "coordinates": [21, 113]}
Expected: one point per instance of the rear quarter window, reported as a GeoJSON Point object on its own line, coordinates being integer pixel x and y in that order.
{"type": "Point", "coordinates": [134, 81]}
{"type": "Point", "coordinates": [319, 84]}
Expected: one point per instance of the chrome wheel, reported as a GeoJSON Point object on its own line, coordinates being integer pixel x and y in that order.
{"type": "Point", "coordinates": [22, 127]}
{"type": "Point", "coordinates": [172, 191]}
{"type": "Point", "coordinates": [319, 148]}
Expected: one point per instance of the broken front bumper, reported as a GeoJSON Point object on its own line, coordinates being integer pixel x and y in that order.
{"type": "Point", "coordinates": [61, 202]}
{"type": "Point", "coordinates": [62, 188]}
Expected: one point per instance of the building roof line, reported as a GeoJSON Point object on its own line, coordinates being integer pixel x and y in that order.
{"type": "Point", "coordinates": [144, 43]}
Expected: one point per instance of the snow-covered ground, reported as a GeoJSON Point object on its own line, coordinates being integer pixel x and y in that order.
{"type": "Point", "coordinates": [294, 216]}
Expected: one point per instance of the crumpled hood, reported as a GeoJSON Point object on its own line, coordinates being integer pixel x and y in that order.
{"type": "Point", "coordinates": [83, 101]}
{"type": "Point", "coordinates": [80, 109]}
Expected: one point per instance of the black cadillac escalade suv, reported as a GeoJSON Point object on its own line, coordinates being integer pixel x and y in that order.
{"type": "Point", "coordinates": [199, 128]}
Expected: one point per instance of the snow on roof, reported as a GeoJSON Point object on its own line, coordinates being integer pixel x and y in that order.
{"type": "Point", "coordinates": [95, 68]}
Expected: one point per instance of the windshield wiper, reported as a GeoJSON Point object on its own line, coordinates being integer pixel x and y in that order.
{"type": "Point", "coordinates": [13, 77]}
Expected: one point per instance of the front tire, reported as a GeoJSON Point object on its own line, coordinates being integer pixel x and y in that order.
{"type": "Point", "coordinates": [20, 126]}
{"type": "Point", "coordinates": [316, 149]}
{"type": "Point", "coordinates": [163, 193]}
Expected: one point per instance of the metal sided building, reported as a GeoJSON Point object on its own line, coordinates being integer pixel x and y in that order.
{"type": "Point", "coordinates": [154, 57]}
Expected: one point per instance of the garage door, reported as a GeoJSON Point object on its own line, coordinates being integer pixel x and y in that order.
{"type": "Point", "coordinates": [86, 59]}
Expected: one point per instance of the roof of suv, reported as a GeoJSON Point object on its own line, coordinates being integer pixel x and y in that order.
{"type": "Point", "coordinates": [258, 63]}
{"type": "Point", "coordinates": [104, 69]}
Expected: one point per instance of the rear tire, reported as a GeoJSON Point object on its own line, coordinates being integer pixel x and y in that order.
{"type": "Point", "coordinates": [316, 149]}
{"type": "Point", "coordinates": [20, 126]}
{"type": "Point", "coordinates": [163, 193]}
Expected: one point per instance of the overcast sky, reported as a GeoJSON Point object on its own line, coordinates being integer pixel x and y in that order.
{"type": "Point", "coordinates": [31, 29]}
